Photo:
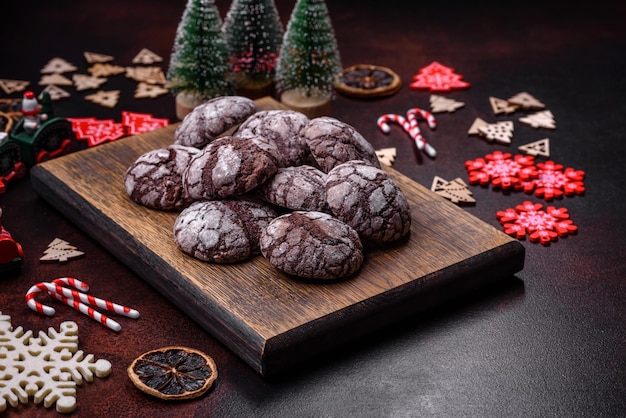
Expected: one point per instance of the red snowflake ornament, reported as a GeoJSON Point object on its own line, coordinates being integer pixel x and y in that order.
{"type": "Point", "coordinates": [438, 78]}
{"type": "Point", "coordinates": [543, 226]}
{"type": "Point", "coordinates": [552, 181]}
{"type": "Point", "coordinates": [501, 170]}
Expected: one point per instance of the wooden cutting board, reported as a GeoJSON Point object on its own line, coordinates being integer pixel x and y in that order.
{"type": "Point", "coordinates": [272, 321]}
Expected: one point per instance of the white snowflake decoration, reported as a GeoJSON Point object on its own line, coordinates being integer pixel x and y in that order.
{"type": "Point", "coordinates": [47, 367]}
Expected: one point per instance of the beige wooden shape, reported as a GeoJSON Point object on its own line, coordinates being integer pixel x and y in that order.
{"type": "Point", "coordinates": [526, 101]}
{"type": "Point", "coordinates": [86, 82]}
{"type": "Point", "coordinates": [55, 78]}
{"type": "Point", "coordinates": [55, 92]}
{"type": "Point", "coordinates": [500, 106]}
{"type": "Point", "coordinates": [105, 70]}
{"type": "Point", "coordinates": [537, 148]}
{"type": "Point", "coordinates": [440, 104]}
{"type": "Point", "coordinates": [93, 57]}
{"type": "Point", "coordinates": [104, 98]}
{"type": "Point", "coordinates": [474, 129]}
{"type": "Point", "coordinates": [145, 90]}
{"type": "Point", "coordinates": [386, 155]}
{"type": "Point", "coordinates": [12, 86]}
{"type": "Point", "coordinates": [145, 56]}
{"type": "Point", "coordinates": [542, 119]}
{"type": "Point", "coordinates": [58, 65]}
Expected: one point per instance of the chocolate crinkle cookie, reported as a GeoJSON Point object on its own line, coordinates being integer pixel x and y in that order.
{"type": "Point", "coordinates": [366, 198]}
{"type": "Point", "coordinates": [222, 231]}
{"type": "Point", "coordinates": [155, 178]}
{"type": "Point", "coordinates": [211, 119]}
{"type": "Point", "coordinates": [297, 188]}
{"type": "Point", "coordinates": [228, 166]}
{"type": "Point", "coordinates": [284, 127]}
{"type": "Point", "coordinates": [312, 245]}
{"type": "Point", "coordinates": [333, 142]}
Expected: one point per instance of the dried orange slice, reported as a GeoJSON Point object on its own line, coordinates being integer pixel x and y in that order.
{"type": "Point", "coordinates": [366, 80]}
{"type": "Point", "coordinates": [173, 373]}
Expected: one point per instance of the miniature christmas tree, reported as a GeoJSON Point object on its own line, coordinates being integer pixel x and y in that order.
{"type": "Point", "coordinates": [198, 64]}
{"type": "Point", "coordinates": [253, 34]}
{"type": "Point", "coordinates": [309, 59]}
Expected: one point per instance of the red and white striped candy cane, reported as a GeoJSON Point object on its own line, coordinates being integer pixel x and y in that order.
{"type": "Point", "coordinates": [384, 120]}
{"type": "Point", "coordinates": [413, 113]}
{"type": "Point", "coordinates": [89, 311]}
{"type": "Point", "coordinates": [416, 133]}
{"type": "Point", "coordinates": [38, 306]}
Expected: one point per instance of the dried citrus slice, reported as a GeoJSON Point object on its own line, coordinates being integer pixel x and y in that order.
{"type": "Point", "coordinates": [173, 373]}
{"type": "Point", "coordinates": [366, 80]}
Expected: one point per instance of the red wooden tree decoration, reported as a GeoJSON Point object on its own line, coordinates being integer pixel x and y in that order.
{"type": "Point", "coordinates": [438, 78]}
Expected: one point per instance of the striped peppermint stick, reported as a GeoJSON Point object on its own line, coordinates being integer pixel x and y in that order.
{"type": "Point", "coordinates": [89, 311]}
{"type": "Point", "coordinates": [412, 115]}
{"type": "Point", "coordinates": [384, 120]}
{"type": "Point", "coordinates": [422, 144]}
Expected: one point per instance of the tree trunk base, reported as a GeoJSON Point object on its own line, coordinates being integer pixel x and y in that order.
{"type": "Point", "coordinates": [254, 89]}
{"type": "Point", "coordinates": [185, 103]}
{"type": "Point", "coordinates": [311, 106]}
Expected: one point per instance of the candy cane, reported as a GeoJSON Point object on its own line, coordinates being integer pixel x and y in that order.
{"type": "Point", "coordinates": [422, 144]}
{"type": "Point", "coordinates": [77, 300]}
{"type": "Point", "coordinates": [383, 122]}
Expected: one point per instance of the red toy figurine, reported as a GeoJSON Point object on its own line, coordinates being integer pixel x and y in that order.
{"type": "Point", "coordinates": [11, 253]}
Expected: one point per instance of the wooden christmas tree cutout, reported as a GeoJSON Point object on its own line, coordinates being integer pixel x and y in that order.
{"type": "Point", "coordinates": [145, 56]}
{"type": "Point", "coordinates": [145, 90]}
{"type": "Point", "coordinates": [60, 251]}
{"type": "Point", "coordinates": [526, 101]}
{"type": "Point", "coordinates": [386, 155]}
{"type": "Point", "coordinates": [500, 106]}
{"type": "Point", "coordinates": [152, 75]}
{"type": "Point", "coordinates": [12, 86]}
{"type": "Point", "coordinates": [500, 132]}
{"type": "Point", "coordinates": [474, 129]}
{"type": "Point", "coordinates": [542, 119]}
{"type": "Point", "coordinates": [104, 98]}
{"type": "Point", "coordinates": [93, 57]}
{"type": "Point", "coordinates": [105, 70]}
{"type": "Point", "coordinates": [539, 148]}
{"type": "Point", "coordinates": [456, 190]}
{"type": "Point", "coordinates": [58, 65]}
{"type": "Point", "coordinates": [440, 104]}
{"type": "Point", "coordinates": [55, 78]}
{"type": "Point", "coordinates": [85, 82]}
{"type": "Point", "coordinates": [55, 92]}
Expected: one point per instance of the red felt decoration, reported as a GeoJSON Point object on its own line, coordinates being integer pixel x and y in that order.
{"type": "Point", "coordinates": [438, 78]}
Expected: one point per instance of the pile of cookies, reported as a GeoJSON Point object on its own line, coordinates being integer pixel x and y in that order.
{"type": "Point", "coordinates": [307, 194]}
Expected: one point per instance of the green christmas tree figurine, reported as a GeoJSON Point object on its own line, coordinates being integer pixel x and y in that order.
{"type": "Point", "coordinates": [309, 59]}
{"type": "Point", "coordinates": [198, 64]}
{"type": "Point", "coordinates": [253, 34]}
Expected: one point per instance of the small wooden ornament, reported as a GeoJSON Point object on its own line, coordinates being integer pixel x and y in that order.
{"type": "Point", "coordinates": [12, 86]}
{"type": "Point", "coordinates": [526, 101]}
{"type": "Point", "coordinates": [55, 78]}
{"type": "Point", "coordinates": [105, 70]}
{"type": "Point", "coordinates": [538, 148]}
{"type": "Point", "coordinates": [93, 57]}
{"type": "Point", "coordinates": [152, 75]}
{"type": "Point", "coordinates": [500, 106]}
{"type": "Point", "coordinates": [58, 65]}
{"type": "Point", "coordinates": [474, 129]}
{"type": "Point", "coordinates": [145, 90]}
{"type": "Point", "coordinates": [85, 82]}
{"type": "Point", "coordinates": [104, 98]}
{"type": "Point", "coordinates": [456, 190]}
{"type": "Point", "coordinates": [60, 251]}
{"type": "Point", "coordinates": [55, 92]}
{"type": "Point", "coordinates": [542, 119]}
{"type": "Point", "coordinates": [500, 132]}
{"type": "Point", "coordinates": [145, 56]}
{"type": "Point", "coordinates": [386, 156]}
{"type": "Point", "coordinates": [440, 104]}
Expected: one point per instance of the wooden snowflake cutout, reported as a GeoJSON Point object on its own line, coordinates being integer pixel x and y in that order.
{"type": "Point", "coordinates": [58, 65]}
{"type": "Point", "coordinates": [46, 368]}
{"type": "Point", "coordinates": [440, 104]}
{"type": "Point", "coordinates": [501, 170]}
{"type": "Point", "coordinates": [500, 106]}
{"type": "Point", "coordinates": [386, 155]}
{"type": "Point", "coordinates": [55, 92]}
{"type": "Point", "coordinates": [60, 251]}
{"type": "Point", "coordinates": [438, 78]}
{"type": "Point", "coordinates": [12, 86]}
{"type": "Point", "coordinates": [145, 56]}
{"type": "Point", "coordinates": [542, 119]}
{"type": "Point", "coordinates": [145, 90]}
{"type": "Point", "coordinates": [530, 219]}
{"type": "Point", "coordinates": [93, 57]}
{"type": "Point", "coordinates": [553, 181]}
{"type": "Point", "coordinates": [56, 79]}
{"type": "Point", "coordinates": [456, 190]}
{"type": "Point", "coordinates": [104, 98]}
{"type": "Point", "coordinates": [539, 148]}
{"type": "Point", "coordinates": [86, 82]}
{"type": "Point", "coordinates": [526, 101]}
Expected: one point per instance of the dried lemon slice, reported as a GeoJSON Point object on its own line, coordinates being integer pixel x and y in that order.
{"type": "Point", "coordinates": [173, 373]}
{"type": "Point", "coordinates": [365, 80]}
